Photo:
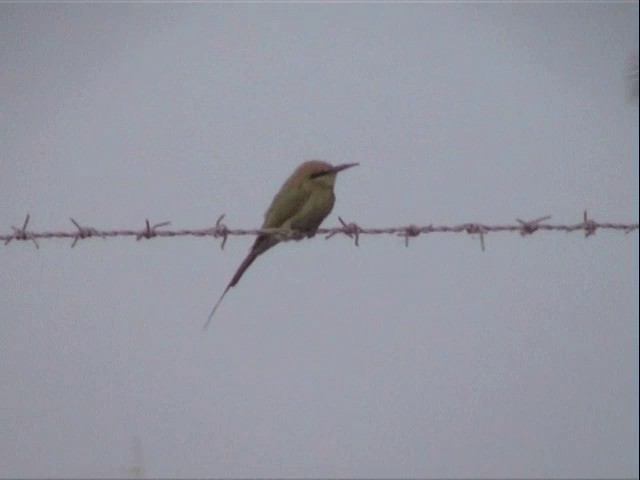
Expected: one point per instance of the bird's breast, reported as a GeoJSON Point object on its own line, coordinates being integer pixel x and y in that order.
{"type": "Point", "coordinates": [314, 211]}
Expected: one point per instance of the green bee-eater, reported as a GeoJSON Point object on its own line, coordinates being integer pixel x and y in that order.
{"type": "Point", "coordinates": [302, 203]}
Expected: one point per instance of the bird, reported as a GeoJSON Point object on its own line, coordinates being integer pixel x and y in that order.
{"type": "Point", "coordinates": [302, 203]}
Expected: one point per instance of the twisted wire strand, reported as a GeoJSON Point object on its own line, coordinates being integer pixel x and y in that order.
{"type": "Point", "coordinates": [350, 229]}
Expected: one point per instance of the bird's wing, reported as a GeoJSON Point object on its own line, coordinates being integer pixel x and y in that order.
{"type": "Point", "coordinates": [286, 203]}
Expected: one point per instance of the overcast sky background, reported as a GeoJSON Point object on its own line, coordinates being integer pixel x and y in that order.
{"type": "Point", "coordinates": [436, 360]}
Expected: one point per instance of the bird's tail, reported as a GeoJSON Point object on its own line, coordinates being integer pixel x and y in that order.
{"type": "Point", "coordinates": [261, 245]}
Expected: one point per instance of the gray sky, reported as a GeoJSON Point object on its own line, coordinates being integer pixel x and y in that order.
{"type": "Point", "coordinates": [436, 360]}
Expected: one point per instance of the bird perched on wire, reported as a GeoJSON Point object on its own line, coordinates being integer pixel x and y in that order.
{"type": "Point", "coordinates": [302, 203]}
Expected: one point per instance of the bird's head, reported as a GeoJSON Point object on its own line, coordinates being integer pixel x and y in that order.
{"type": "Point", "coordinates": [317, 172]}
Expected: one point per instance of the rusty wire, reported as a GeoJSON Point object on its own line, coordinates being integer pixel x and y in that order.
{"type": "Point", "coordinates": [350, 229]}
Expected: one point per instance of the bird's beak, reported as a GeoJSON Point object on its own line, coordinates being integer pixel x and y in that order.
{"type": "Point", "coordinates": [344, 166]}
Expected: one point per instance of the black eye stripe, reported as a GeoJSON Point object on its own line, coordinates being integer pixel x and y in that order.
{"type": "Point", "coordinates": [319, 174]}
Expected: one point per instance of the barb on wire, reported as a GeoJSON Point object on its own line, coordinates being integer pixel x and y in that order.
{"type": "Point", "coordinates": [84, 232]}
{"type": "Point", "coordinates": [410, 231]}
{"type": "Point", "coordinates": [480, 230]}
{"type": "Point", "coordinates": [590, 226]}
{"type": "Point", "coordinates": [21, 233]}
{"type": "Point", "coordinates": [532, 226]}
{"type": "Point", "coordinates": [221, 230]}
{"type": "Point", "coordinates": [150, 231]}
{"type": "Point", "coordinates": [351, 230]}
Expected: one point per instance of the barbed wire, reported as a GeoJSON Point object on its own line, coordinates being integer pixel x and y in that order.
{"type": "Point", "coordinates": [350, 229]}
